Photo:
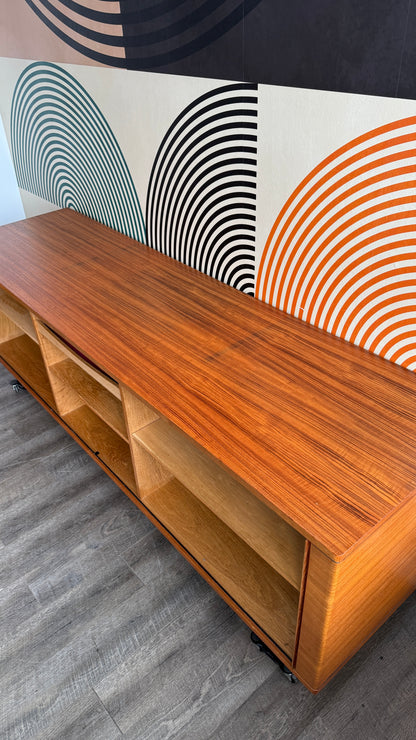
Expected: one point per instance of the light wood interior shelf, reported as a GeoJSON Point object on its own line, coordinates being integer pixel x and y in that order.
{"type": "Point", "coordinates": [89, 402]}
{"type": "Point", "coordinates": [280, 461]}
{"type": "Point", "coordinates": [23, 355]}
{"type": "Point", "coordinates": [20, 349]}
{"type": "Point", "coordinates": [106, 444]}
{"type": "Point", "coordinates": [63, 350]}
{"type": "Point", "coordinates": [220, 523]}
{"type": "Point", "coordinates": [105, 404]}
{"type": "Point", "coordinates": [263, 594]}
{"type": "Point", "coordinates": [17, 313]}
{"type": "Point", "coordinates": [262, 529]}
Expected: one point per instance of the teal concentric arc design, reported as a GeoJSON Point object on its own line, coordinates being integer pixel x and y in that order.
{"type": "Point", "coordinates": [64, 150]}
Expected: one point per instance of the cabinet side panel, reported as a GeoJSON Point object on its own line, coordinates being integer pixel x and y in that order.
{"type": "Point", "coordinates": [346, 602]}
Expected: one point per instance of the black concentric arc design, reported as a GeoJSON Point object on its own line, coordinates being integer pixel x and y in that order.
{"type": "Point", "coordinates": [149, 33]}
{"type": "Point", "coordinates": [201, 200]}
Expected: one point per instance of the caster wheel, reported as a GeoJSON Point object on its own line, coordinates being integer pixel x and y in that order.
{"type": "Point", "coordinates": [264, 649]}
{"type": "Point", "coordinates": [17, 387]}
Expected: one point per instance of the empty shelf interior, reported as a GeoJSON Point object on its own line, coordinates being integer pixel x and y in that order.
{"type": "Point", "coordinates": [18, 313]}
{"type": "Point", "coordinates": [23, 356]}
{"type": "Point", "coordinates": [252, 583]}
{"type": "Point", "coordinates": [104, 442]}
{"type": "Point", "coordinates": [260, 527]}
{"type": "Point", "coordinates": [98, 398]}
{"type": "Point", "coordinates": [56, 348]}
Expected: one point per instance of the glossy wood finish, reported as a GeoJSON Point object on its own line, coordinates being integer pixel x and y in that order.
{"type": "Point", "coordinates": [280, 432]}
{"type": "Point", "coordinates": [346, 602]}
{"type": "Point", "coordinates": [332, 428]}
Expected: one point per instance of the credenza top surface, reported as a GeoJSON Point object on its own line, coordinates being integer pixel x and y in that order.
{"type": "Point", "coordinates": [322, 430]}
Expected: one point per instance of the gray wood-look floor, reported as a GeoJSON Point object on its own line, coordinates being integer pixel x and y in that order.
{"type": "Point", "coordinates": [107, 632]}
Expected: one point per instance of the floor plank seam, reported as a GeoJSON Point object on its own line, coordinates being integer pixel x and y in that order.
{"type": "Point", "coordinates": [106, 710]}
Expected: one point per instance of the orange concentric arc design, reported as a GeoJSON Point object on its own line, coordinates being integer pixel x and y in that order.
{"type": "Point", "coordinates": [342, 252]}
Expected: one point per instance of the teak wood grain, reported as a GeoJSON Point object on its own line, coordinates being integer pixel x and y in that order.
{"type": "Point", "coordinates": [332, 429]}
{"type": "Point", "coordinates": [346, 602]}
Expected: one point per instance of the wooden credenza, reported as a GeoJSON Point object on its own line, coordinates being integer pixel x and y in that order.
{"type": "Point", "coordinates": [280, 460]}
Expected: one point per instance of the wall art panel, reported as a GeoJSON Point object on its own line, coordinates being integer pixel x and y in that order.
{"type": "Point", "coordinates": [65, 152]}
{"type": "Point", "coordinates": [340, 252]}
{"type": "Point", "coordinates": [202, 192]}
{"type": "Point", "coordinates": [106, 141]}
{"type": "Point", "coordinates": [345, 46]}
{"type": "Point", "coordinates": [24, 35]}
{"type": "Point", "coordinates": [305, 198]}
{"type": "Point", "coordinates": [406, 87]}
{"type": "Point", "coordinates": [10, 69]}
{"type": "Point", "coordinates": [202, 38]}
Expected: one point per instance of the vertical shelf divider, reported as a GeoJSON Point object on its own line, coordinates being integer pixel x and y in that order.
{"type": "Point", "coordinates": [8, 329]}
{"type": "Point", "coordinates": [66, 398]}
{"type": "Point", "coordinates": [150, 473]}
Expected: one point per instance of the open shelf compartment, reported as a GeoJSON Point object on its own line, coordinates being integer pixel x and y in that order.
{"type": "Point", "coordinates": [98, 398]}
{"type": "Point", "coordinates": [242, 544]}
{"type": "Point", "coordinates": [76, 381]}
{"type": "Point", "coordinates": [21, 352]}
{"type": "Point", "coordinates": [104, 442]}
{"type": "Point", "coordinates": [89, 402]}
{"type": "Point", "coordinates": [281, 546]}
{"type": "Point", "coordinates": [56, 349]}
{"type": "Point", "coordinates": [263, 594]}
{"type": "Point", "coordinates": [17, 313]}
